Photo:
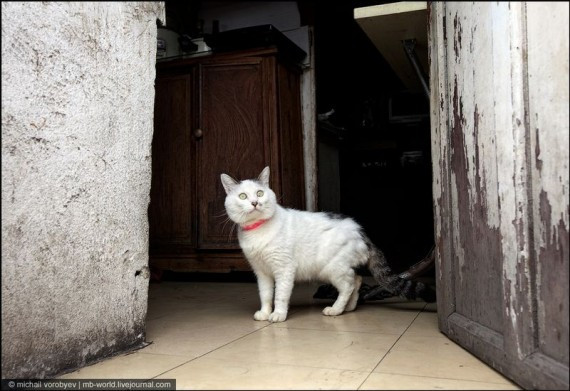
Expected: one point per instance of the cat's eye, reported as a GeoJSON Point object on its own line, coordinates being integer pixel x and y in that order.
{"type": "Point", "coordinates": [260, 193]}
{"type": "Point", "coordinates": [242, 196]}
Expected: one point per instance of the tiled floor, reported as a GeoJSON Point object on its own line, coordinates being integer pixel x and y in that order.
{"type": "Point", "coordinates": [204, 336]}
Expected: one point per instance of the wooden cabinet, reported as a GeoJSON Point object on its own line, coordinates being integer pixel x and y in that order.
{"type": "Point", "coordinates": [233, 113]}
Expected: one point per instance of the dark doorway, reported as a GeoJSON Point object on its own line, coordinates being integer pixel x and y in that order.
{"type": "Point", "coordinates": [374, 159]}
{"type": "Point", "coordinates": [374, 139]}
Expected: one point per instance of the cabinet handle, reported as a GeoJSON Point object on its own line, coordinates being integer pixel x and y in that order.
{"type": "Point", "coordinates": [198, 133]}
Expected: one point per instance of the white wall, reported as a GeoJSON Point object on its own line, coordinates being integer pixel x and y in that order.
{"type": "Point", "coordinates": [77, 110]}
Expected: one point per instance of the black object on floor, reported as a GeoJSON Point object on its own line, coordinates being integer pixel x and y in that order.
{"type": "Point", "coordinates": [329, 292]}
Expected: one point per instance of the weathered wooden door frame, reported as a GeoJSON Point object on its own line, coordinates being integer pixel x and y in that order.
{"type": "Point", "coordinates": [515, 351]}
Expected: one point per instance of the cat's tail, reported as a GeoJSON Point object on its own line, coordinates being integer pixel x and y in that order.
{"type": "Point", "coordinates": [390, 281]}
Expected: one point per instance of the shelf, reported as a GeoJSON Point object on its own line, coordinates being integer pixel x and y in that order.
{"type": "Point", "coordinates": [387, 25]}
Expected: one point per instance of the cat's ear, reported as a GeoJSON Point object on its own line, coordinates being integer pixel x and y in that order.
{"type": "Point", "coordinates": [228, 182]}
{"type": "Point", "coordinates": [264, 177]}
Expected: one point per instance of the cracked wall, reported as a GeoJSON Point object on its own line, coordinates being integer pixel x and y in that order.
{"type": "Point", "coordinates": [77, 123]}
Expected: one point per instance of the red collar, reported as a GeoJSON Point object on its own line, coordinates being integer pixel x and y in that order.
{"type": "Point", "coordinates": [253, 226]}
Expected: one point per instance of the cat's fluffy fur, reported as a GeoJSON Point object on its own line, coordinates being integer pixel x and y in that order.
{"type": "Point", "coordinates": [292, 245]}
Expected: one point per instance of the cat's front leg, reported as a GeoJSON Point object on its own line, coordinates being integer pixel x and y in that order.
{"type": "Point", "coordinates": [265, 285]}
{"type": "Point", "coordinates": [283, 288]}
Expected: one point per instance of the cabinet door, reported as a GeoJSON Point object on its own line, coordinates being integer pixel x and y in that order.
{"type": "Point", "coordinates": [172, 195]}
{"type": "Point", "coordinates": [237, 123]}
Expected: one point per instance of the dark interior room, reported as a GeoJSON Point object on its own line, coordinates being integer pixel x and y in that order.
{"type": "Point", "coordinates": [382, 132]}
{"type": "Point", "coordinates": [373, 133]}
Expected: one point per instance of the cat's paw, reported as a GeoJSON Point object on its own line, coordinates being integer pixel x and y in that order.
{"type": "Point", "coordinates": [330, 311]}
{"type": "Point", "coordinates": [277, 316]}
{"type": "Point", "coordinates": [350, 307]}
{"type": "Point", "coordinates": [261, 315]}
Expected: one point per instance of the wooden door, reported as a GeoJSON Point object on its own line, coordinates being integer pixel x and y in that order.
{"type": "Point", "coordinates": [499, 101]}
{"type": "Point", "coordinates": [172, 196]}
{"type": "Point", "coordinates": [238, 124]}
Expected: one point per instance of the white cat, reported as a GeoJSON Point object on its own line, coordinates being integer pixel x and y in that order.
{"type": "Point", "coordinates": [286, 245]}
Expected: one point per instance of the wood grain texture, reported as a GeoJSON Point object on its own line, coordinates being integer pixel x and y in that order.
{"type": "Point", "coordinates": [170, 209]}
{"type": "Point", "coordinates": [236, 140]}
{"type": "Point", "coordinates": [549, 158]}
{"type": "Point", "coordinates": [500, 201]}
{"type": "Point", "coordinates": [473, 162]}
{"type": "Point", "coordinates": [439, 103]}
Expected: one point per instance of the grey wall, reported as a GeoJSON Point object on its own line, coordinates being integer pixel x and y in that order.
{"type": "Point", "coordinates": [77, 109]}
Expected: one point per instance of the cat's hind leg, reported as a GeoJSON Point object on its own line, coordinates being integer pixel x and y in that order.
{"type": "Point", "coordinates": [344, 283]}
{"type": "Point", "coordinates": [351, 305]}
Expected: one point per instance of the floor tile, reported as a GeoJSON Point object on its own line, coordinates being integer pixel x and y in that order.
{"type": "Point", "coordinates": [436, 357]}
{"type": "Point", "coordinates": [237, 309]}
{"type": "Point", "coordinates": [205, 337]}
{"type": "Point", "coordinates": [166, 300]}
{"type": "Point", "coordinates": [400, 304]}
{"type": "Point", "coordinates": [312, 348]}
{"type": "Point", "coordinates": [425, 325]}
{"type": "Point", "coordinates": [386, 381]}
{"type": "Point", "coordinates": [194, 335]}
{"type": "Point", "coordinates": [366, 319]}
{"type": "Point", "coordinates": [303, 293]}
{"type": "Point", "coordinates": [212, 374]}
{"type": "Point", "coordinates": [135, 365]}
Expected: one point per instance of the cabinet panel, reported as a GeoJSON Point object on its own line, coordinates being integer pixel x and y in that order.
{"type": "Point", "coordinates": [172, 195]}
{"type": "Point", "coordinates": [236, 126]}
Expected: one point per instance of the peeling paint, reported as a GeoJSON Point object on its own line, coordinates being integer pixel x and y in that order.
{"type": "Point", "coordinates": [502, 109]}
{"type": "Point", "coordinates": [548, 66]}
{"type": "Point", "coordinates": [457, 37]}
{"type": "Point", "coordinates": [538, 160]}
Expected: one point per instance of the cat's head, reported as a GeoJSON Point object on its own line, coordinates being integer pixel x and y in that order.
{"type": "Point", "coordinates": [249, 200]}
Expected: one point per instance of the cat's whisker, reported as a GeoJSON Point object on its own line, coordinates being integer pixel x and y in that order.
{"type": "Point", "coordinates": [225, 223]}
{"type": "Point", "coordinates": [222, 214]}
{"type": "Point", "coordinates": [231, 232]}
{"type": "Point", "coordinates": [234, 226]}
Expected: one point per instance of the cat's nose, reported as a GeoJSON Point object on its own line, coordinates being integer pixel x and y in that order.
{"type": "Point", "coordinates": [254, 203]}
